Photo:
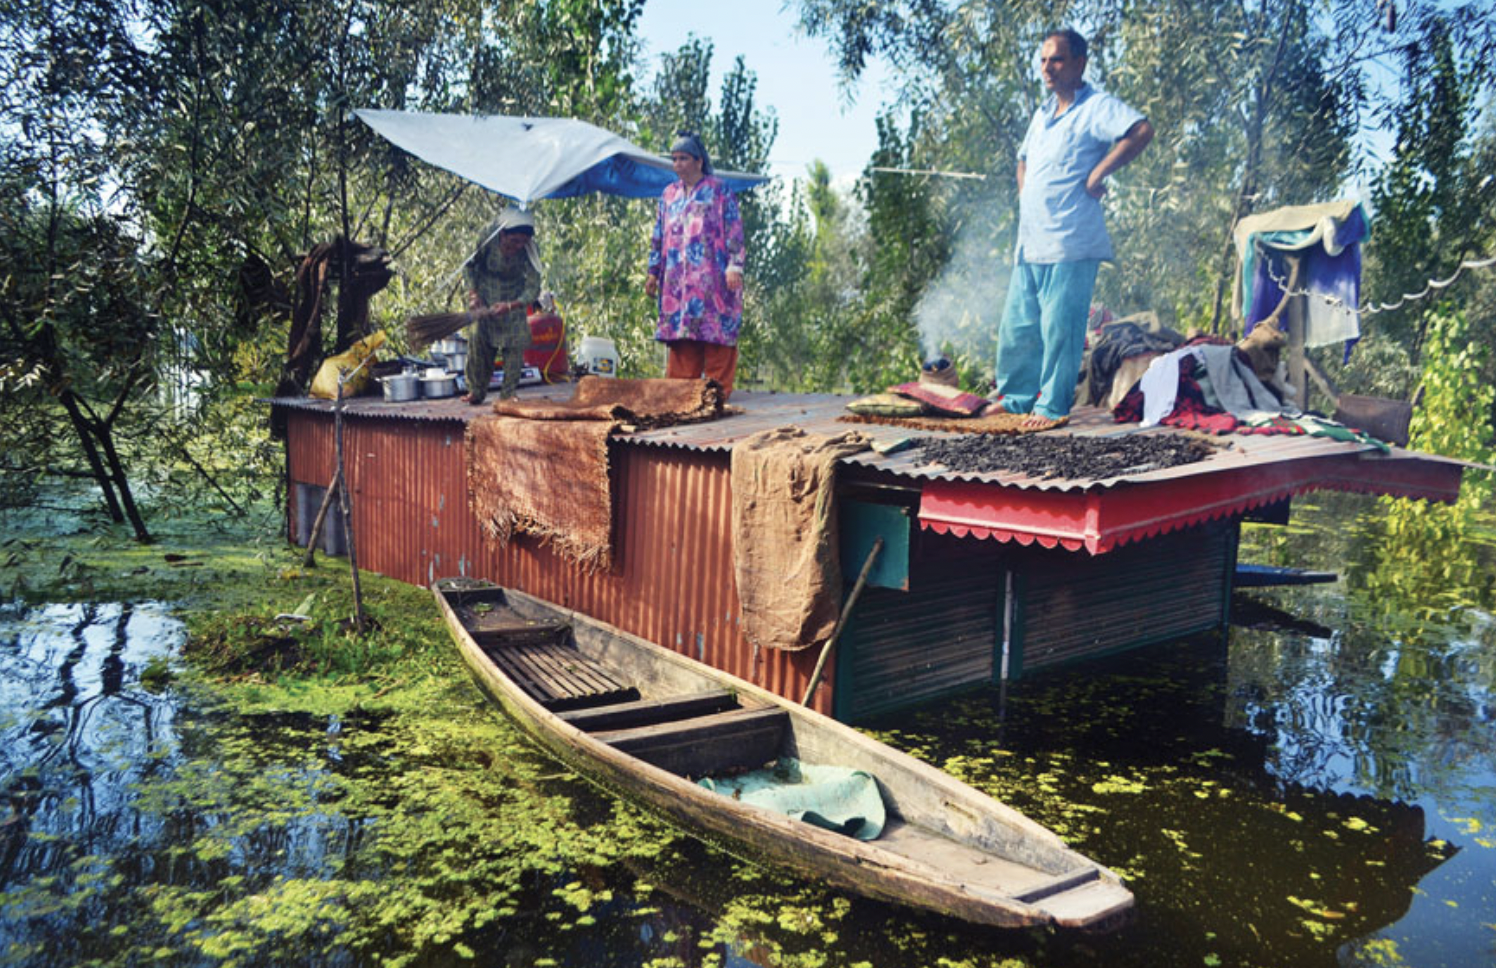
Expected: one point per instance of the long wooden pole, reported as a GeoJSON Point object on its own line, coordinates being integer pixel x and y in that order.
{"type": "Point", "coordinates": [345, 500]}
{"type": "Point", "coordinates": [841, 621]}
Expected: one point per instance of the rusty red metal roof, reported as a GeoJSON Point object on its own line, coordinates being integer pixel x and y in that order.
{"type": "Point", "coordinates": [1244, 472]}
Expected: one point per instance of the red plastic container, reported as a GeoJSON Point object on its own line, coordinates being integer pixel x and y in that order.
{"type": "Point", "coordinates": [547, 352]}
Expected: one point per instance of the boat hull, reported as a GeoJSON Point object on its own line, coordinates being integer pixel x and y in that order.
{"type": "Point", "coordinates": [1070, 890]}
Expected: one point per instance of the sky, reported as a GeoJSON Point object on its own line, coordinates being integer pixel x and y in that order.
{"type": "Point", "coordinates": [796, 77]}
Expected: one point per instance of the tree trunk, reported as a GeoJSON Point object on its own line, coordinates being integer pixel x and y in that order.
{"type": "Point", "coordinates": [91, 454]}
{"type": "Point", "coordinates": [122, 483]}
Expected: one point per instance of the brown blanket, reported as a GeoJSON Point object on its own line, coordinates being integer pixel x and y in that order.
{"type": "Point", "coordinates": [644, 404]}
{"type": "Point", "coordinates": [541, 467]}
{"type": "Point", "coordinates": [784, 534]}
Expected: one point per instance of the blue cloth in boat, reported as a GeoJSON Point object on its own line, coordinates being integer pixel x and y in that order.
{"type": "Point", "coordinates": [835, 798]}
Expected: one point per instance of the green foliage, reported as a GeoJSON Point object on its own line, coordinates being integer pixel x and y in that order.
{"type": "Point", "coordinates": [1435, 204]}
{"type": "Point", "coordinates": [1418, 573]}
{"type": "Point", "coordinates": [1454, 419]}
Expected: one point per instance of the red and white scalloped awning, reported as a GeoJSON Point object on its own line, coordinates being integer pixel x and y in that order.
{"type": "Point", "coordinates": [1099, 520]}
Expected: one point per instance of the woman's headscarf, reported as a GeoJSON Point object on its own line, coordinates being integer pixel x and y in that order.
{"type": "Point", "coordinates": [511, 218]}
{"type": "Point", "coordinates": [687, 142]}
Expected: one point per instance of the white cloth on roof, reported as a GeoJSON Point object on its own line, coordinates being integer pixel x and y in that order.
{"type": "Point", "coordinates": [1234, 384]}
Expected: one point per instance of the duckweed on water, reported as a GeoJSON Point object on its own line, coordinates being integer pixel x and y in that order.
{"type": "Point", "coordinates": [353, 800]}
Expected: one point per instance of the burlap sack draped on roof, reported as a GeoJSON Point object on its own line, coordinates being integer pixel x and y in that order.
{"type": "Point", "coordinates": [541, 467]}
{"type": "Point", "coordinates": [784, 534]}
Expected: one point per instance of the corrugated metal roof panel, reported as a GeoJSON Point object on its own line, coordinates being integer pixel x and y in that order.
{"type": "Point", "coordinates": [820, 413]}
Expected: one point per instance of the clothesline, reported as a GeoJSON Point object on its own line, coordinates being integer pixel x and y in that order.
{"type": "Point", "coordinates": [1370, 310]}
{"type": "Point", "coordinates": [930, 171]}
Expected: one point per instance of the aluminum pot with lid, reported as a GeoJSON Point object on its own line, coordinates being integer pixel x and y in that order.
{"type": "Point", "coordinates": [400, 387]}
{"type": "Point", "coordinates": [438, 383]}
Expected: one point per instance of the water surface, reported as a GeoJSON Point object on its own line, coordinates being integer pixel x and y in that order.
{"type": "Point", "coordinates": [1316, 789]}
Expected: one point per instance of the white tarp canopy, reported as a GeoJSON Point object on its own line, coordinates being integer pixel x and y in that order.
{"type": "Point", "coordinates": [531, 158]}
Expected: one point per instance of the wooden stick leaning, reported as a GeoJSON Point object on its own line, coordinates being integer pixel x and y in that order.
{"type": "Point", "coordinates": [311, 542]}
{"type": "Point", "coordinates": [841, 622]}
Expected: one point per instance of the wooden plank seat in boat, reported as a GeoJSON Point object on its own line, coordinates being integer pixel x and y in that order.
{"type": "Point", "coordinates": [736, 739]}
{"type": "Point", "coordinates": [648, 712]}
{"type": "Point", "coordinates": [558, 676]}
{"type": "Point", "coordinates": [503, 627]}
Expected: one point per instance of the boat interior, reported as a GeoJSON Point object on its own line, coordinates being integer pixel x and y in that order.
{"type": "Point", "coordinates": [701, 730]}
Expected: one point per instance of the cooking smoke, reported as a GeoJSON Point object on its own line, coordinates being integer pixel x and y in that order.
{"type": "Point", "coordinates": [958, 312]}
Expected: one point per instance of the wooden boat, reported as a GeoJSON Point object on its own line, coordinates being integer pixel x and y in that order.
{"type": "Point", "coordinates": [644, 721]}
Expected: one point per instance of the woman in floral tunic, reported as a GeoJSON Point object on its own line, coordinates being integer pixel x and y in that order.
{"type": "Point", "coordinates": [696, 268]}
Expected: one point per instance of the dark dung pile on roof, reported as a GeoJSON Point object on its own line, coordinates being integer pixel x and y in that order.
{"type": "Point", "coordinates": [1068, 457]}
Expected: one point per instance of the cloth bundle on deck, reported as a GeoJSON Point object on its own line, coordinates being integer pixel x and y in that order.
{"type": "Point", "coordinates": [1119, 353]}
{"type": "Point", "coordinates": [941, 398]}
{"type": "Point", "coordinates": [541, 467]}
{"type": "Point", "coordinates": [784, 534]}
{"type": "Point", "coordinates": [835, 798]}
{"type": "Point", "coordinates": [1226, 373]}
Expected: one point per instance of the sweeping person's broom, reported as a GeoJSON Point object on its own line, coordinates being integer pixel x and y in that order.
{"type": "Point", "coordinates": [422, 331]}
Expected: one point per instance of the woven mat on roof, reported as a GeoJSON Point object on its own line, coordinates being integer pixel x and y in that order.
{"type": "Point", "coordinates": [997, 423]}
{"type": "Point", "coordinates": [784, 536]}
{"type": "Point", "coordinates": [541, 467]}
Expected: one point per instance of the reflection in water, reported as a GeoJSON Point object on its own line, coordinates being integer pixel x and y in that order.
{"type": "Point", "coordinates": [74, 734]}
{"type": "Point", "coordinates": [1318, 791]}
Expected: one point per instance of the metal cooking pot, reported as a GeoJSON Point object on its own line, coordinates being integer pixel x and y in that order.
{"type": "Point", "coordinates": [453, 344]}
{"type": "Point", "coordinates": [400, 387]}
{"type": "Point", "coordinates": [457, 362]}
{"type": "Point", "coordinates": [439, 386]}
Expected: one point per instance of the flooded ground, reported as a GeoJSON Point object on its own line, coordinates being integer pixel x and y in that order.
{"type": "Point", "coordinates": [1318, 790]}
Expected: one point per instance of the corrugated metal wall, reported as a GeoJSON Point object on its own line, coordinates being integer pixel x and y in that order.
{"type": "Point", "coordinates": [1072, 606]}
{"type": "Point", "coordinates": [672, 583]}
{"type": "Point", "coordinates": [901, 648]}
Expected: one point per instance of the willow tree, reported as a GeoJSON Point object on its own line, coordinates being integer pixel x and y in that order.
{"type": "Point", "coordinates": [209, 143]}
{"type": "Point", "coordinates": [77, 327]}
{"type": "Point", "coordinates": [1257, 104]}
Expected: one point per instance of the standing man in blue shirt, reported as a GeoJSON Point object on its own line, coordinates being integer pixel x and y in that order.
{"type": "Point", "coordinates": [1078, 137]}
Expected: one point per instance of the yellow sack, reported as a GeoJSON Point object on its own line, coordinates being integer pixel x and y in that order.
{"type": "Point", "coordinates": [358, 359]}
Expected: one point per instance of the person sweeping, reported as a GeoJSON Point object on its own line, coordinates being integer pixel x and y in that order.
{"type": "Point", "coordinates": [503, 278]}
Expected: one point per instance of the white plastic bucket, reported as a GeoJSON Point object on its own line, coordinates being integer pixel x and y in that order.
{"type": "Point", "coordinates": [598, 355]}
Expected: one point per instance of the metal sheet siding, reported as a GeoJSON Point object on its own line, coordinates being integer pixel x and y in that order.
{"type": "Point", "coordinates": [941, 636]}
{"type": "Point", "coordinates": [673, 581]}
{"type": "Point", "coordinates": [909, 647]}
{"type": "Point", "coordinates": [1082, 606]}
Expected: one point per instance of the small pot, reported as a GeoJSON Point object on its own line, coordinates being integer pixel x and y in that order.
{"type": "Point", "coordinates": [457, 362]}
{"type": "Point", "coordinates": [439, 386]}
{"type": "Point", "coordinates": [446, 347]}
{"type": "Point", "coordinates": [400, 387]}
